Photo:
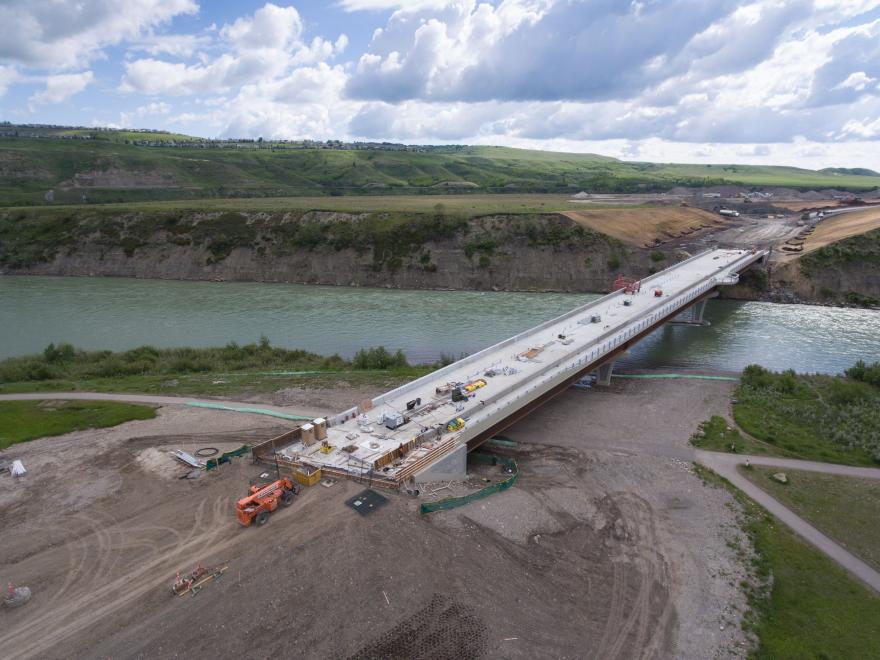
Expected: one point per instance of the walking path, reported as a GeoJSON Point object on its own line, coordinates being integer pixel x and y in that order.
{"type": "Point", "coordinates": [726, 466]}
{"type": "Point", "coordinates": [150, 398]}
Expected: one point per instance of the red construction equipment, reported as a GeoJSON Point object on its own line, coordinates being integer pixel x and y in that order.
{"type": "Point", "coordinates": [628, 284]}
{"type": "Point", "coordinates": [263, 499]}
{"type": "Point", "coordinates": [193, 582]}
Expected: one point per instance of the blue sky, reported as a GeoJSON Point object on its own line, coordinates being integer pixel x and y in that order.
{"type": "Point", "coordinates": [761, 81]}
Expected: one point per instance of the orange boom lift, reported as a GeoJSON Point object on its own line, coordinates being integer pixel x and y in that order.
{"type": "Point", "coordinates": [263, 499]}
{"type": "Point", "coordinates": [628, 284]}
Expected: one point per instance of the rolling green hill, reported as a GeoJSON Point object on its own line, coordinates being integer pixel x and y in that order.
{"type": "Point", "coordinates": [119, 166]}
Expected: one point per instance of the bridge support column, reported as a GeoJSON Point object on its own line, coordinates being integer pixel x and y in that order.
{"type": "Point", "coordinates": [604, 376]}
{"type": "Point", "coordinates": [698, 310]}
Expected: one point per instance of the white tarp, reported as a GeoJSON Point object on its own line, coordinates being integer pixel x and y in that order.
{"type": "Point", "coordinates": [17, 468]}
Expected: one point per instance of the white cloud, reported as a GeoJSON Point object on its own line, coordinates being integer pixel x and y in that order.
{"type": "Point", "coordinates": [176, 45]}
{"type": "Point", "coordinates": [60, 88]}
{"type": "Point", "coordinates": [70, 34]}
{"type": "Point", "coordinates": [270, 27]}
{"type": "Point", "coordinates": [154, 108]}
{"type": "Point", "coordinates": [155, 77]}
{"type": "Point", "coordinates": [857, 81]}
{"type": "Point", "coordinates": [8, 75]}
{"type": "Point", "coordinates": [863, 128]}
{"type": "Point", "coordinates": [385, 5]}
{"type": "Point", "coordinates": [263, 47]}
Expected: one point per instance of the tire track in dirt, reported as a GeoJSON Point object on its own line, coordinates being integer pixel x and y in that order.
{"type": "Point", "coordinates": [633, 523]}
{"type": "Point", "coordinates": [81, 611]}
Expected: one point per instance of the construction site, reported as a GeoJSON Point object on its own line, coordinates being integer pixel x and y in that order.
{"type": "Point", "coordinates": [625, 539]}
{"type": "Point", "coordinates": [407, 517]}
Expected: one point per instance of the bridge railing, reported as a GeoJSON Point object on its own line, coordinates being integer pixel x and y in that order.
{"type": "Point", "coordinates": [607, 346]}
{"type": "Point", "coordinates": [607, 342]}
{"type": "Point", "coordinates": [478, 356]}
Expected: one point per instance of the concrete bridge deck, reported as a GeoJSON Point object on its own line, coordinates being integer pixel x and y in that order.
{"type": "Point", "coordinates": [519, 374]}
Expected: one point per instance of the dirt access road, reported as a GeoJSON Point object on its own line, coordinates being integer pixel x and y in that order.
{"type": "Point", "coordinates": [595, 552]}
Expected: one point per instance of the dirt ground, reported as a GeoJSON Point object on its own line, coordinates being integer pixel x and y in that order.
{"type": "Point", "coordinates": [646, 225]}
{"type": "Point", "coordinates": [745, 232]}
{"type": "Point", "coordinates": [606, 547]}
{"type": "Point", "coordinates": [842, 226]}
{"type": "Point", "coordinates": [807, 204]}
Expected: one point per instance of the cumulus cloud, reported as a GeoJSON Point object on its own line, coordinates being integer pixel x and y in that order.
{"type": "Point", "coordinates": [261, 47]}
{"type": "Point", "coordinates": [563, 50]}
{"type": "Point", "coordinates": [8, 75]}
{"type": "Point", "coordinates": [729, 71]}
{"type": "Point", "coordinates": [270, 27]}
{"type": "Point", "coordinates": [61, 87]}
{"type": "Point", "coordinates": [384, 5]}
{"type": "Point", "coordinates": [58, 34]}
{"type": "Point", "coordinates": [154, 108]}
{"type": "Point", "coordinates": [176, 45]}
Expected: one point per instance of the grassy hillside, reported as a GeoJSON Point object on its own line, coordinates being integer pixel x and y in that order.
{"type": "Point", "coordinates": [108, 167]}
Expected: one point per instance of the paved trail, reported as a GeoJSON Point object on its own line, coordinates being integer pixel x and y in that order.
{"type": "Point", "coordinates": [149, 398]}
{"type": "Point", "coordinates": [726, 466]}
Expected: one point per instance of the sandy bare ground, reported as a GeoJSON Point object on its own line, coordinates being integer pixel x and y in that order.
{"type": "Point", "coordinates": [642, 226]}
{"type": "Point", "coordinates": [596, 552]}
{"type": "Point", "coordinates": [842, 226]}
{"type": "Point", "coordinates": [804, 205]}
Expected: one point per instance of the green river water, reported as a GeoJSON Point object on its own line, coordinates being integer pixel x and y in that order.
{"type": "Point", "coordinates": [111, 313]}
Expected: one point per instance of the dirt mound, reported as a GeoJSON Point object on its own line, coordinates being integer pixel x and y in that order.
{"type": "Point", "coordinates": [647, 225]}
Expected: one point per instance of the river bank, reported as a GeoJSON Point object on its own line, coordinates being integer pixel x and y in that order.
{"type": "Point", "coordinates": [122, 314]}
{"type": "Point", "coordinates": [445, 250]}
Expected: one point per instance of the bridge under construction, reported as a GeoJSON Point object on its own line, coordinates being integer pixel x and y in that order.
{"type": "Point", "coordinates": [423, 430]}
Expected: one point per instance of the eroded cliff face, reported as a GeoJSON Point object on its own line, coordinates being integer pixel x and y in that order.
{"type": "Point", "coordinates": [510, 267]}
{"type": "Point", "coordinates": [855, 283]}
{"type": "Point", "coordinates": [534, 253]}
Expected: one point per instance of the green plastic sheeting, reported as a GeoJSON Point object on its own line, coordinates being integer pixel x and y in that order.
{"type": "Point", "coordinates": [213, 463]}
{"type": "Point", "coordinates": [258, 411]}
{"type": "Point", "coordinates": [501, 441]}
{"type": "Point", "coordinates": [694, 376]}
{"type": "Point", "coordinates": [276, 373]}
{"type": "Point", "coordinates": [453, 502]}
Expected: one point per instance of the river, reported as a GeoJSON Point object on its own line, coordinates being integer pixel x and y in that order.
{"type": "Point", "coordinates": [111, 313]}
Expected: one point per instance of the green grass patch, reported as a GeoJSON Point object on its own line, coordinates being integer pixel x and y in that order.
{"type": "Point", "coordinates": [834, 419]}
{"type": "Point", "coordinates": [802, 604]}
{"type": "Point", "coordinates": [717, 434]}
{"type": "Point", "coordinates": [26, 420]}
{"type": "Point", "coordinates": [845, 508]}
{"type": "Point", "coordinates": [225, 371]}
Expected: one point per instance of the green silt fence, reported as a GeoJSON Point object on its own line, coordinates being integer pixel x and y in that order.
{"type": "Point", "coordinates": [454, 502]}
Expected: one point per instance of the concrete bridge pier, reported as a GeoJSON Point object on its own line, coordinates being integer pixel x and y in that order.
{"type": "Point", "coordinates": [698, 310]}
{"type": "Point", "coordinates": [604, 375]}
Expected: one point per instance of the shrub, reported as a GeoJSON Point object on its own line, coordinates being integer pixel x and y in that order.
{"type": "Point", "coordinates": [378, 358]}
{"type": "Point", "coordinates": [614, 262]}
{"type": "Point", "coordinates": [865, 373]}
{"type": "Point", "coordinates": [657, 255]}
{"type": "Point", "coordinates": [61, 353]}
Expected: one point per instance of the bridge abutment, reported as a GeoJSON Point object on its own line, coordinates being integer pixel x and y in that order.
{"type": "Point", "coordinates": [604, 374]}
